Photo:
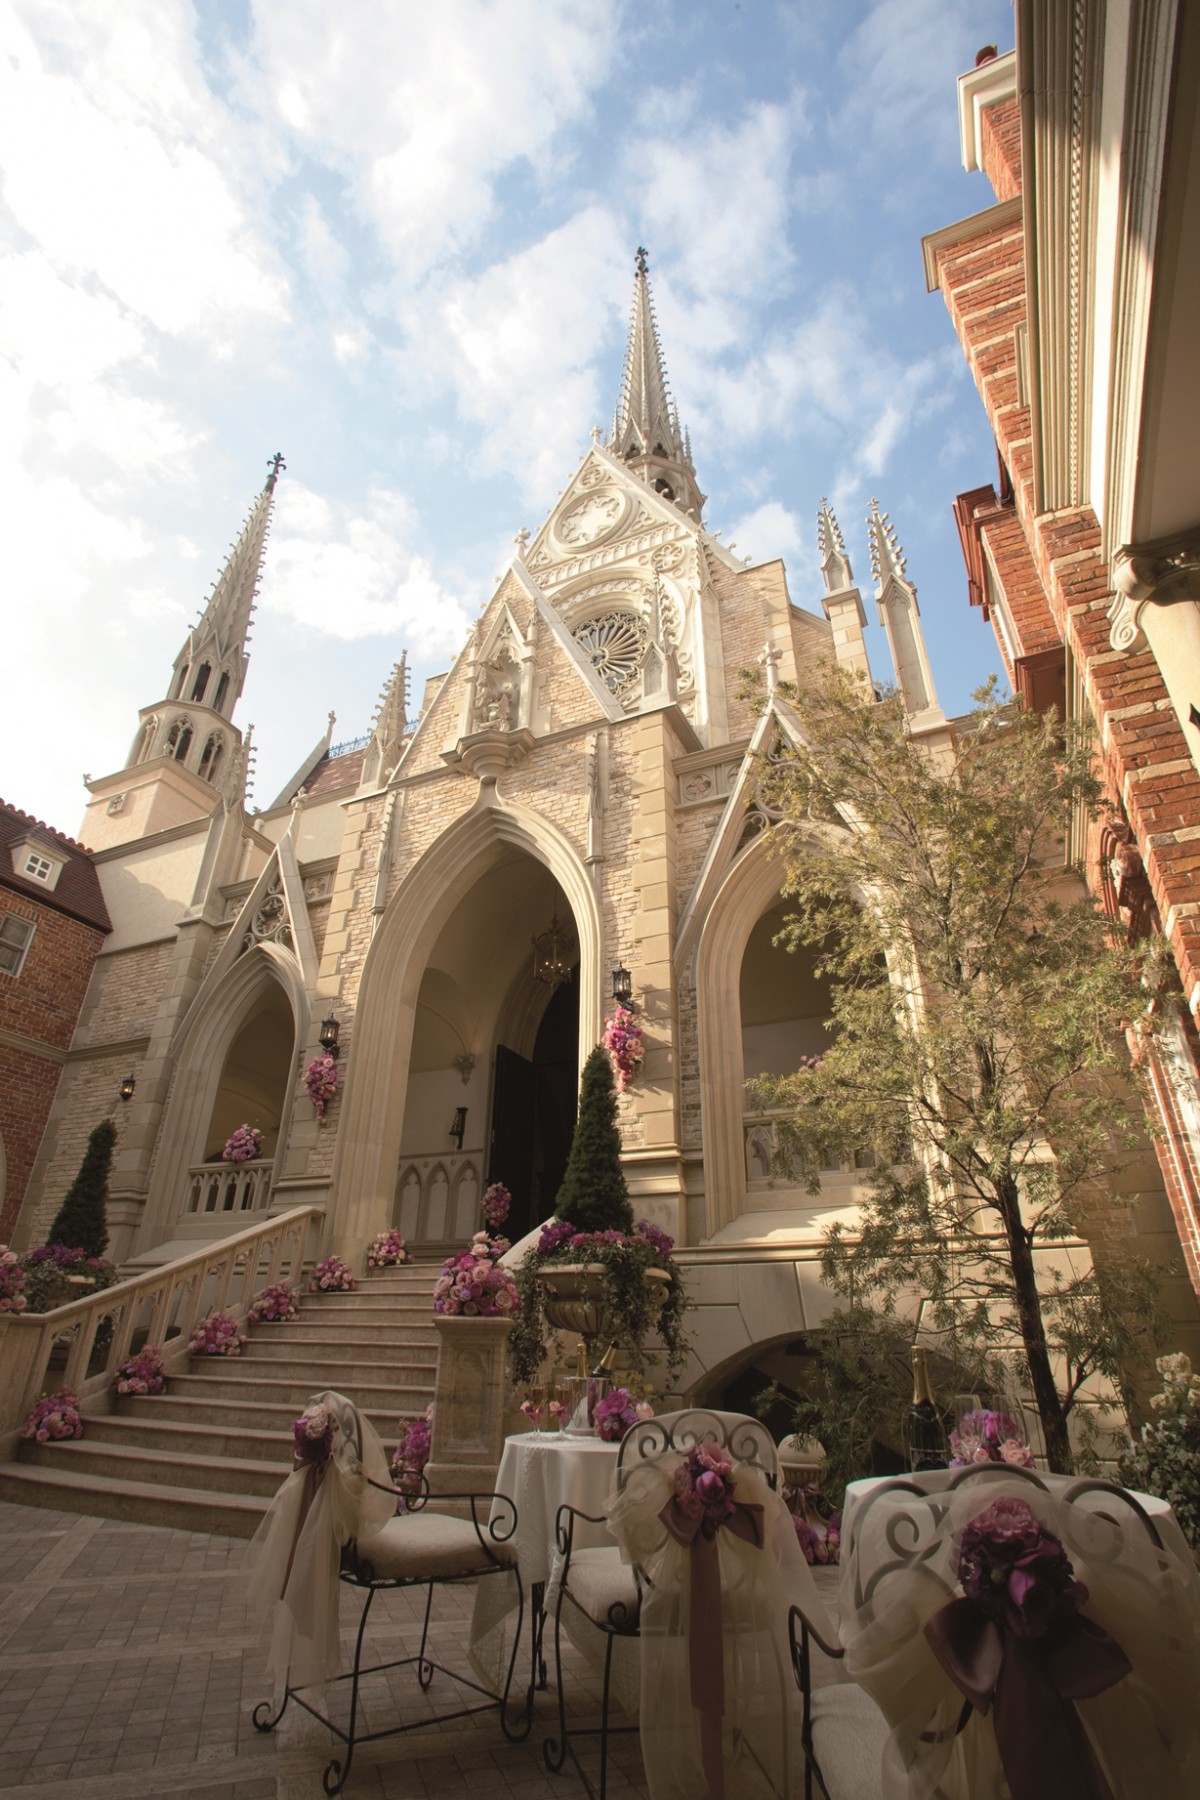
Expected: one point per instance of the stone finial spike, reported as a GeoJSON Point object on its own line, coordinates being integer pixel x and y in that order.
{"type": "Point", "coordinates": [887, 558]}
{"type": "Point", "coordinates": [835, 564]}
{"type": "Point", "coordinates": [646, 432]}
{"type": "Point", "coordinates": [900, 617]}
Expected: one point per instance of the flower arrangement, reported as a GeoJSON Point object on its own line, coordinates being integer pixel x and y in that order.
{"type": "Point", "coordinates": [54, 1416]}
{"type": "Point", "coordinates": [142, 1374]}
{"type": "Point", "coordinates": [279, 1301]}
{"type": "Point", "coordinates": [51, 1265]}
{"type": "Point", "coordinates": [332, 1277]}
{"type": "Point", "coordinates": [704, 1485]}
{"type": "Point", "coordinates": [218, 1335]}
{"type": "Point", "coordinates": [473, 1283]}
{"type": "Point", "coordinates": [243, 1145]}
{"type": "Point", "coordinates": [386, 1250]}
{"type": "Point", "coordinates": [496, 1203]}
{"type": "Point", "coordinates": [987, 1436]}
{"type": "Point", "coordinates": [312, 1437]}
{"type": "Point", "coordinates": [616, 1414]}
{"type": "Point", "coordinates": [624, 1040]}
{"type": "Point", "coordinates": [321, 1084]}
{"type": "Point", "coordinates": [12, 1281]}
{"type": "Point", "coordinates": [413, 1445]}
{"type": "Point", "coordinates": [820, 1542]}
{"type": "Point", "coordinates": [1016, 1571]}
{"type": "Point", "coordinates": [1165, 1457]}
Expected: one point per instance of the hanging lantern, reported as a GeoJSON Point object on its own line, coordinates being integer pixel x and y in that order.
{"type": "Point", "coordinates": [553, 954]}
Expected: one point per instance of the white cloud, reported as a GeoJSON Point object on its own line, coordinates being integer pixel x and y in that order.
{"type": "Point", "coordinates": [772, 529]}
{"type": "Point", "coordinates": [343, 573]}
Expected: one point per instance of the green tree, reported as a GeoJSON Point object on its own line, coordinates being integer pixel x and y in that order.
{"type": "Point", "coordinates": [593, 1195]}
{"type": "Point", "coordinates": [81, 1221]}
{"type": "Point", "coordinates": [978, 1003]}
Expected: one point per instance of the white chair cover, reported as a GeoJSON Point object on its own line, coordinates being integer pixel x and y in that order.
{"type": "Point", "coordinates": [757, 1588]}
{"type": "Point", "coordinates": [900, 1570]}
{"type": "Point", "coordinates": [294, 1555]}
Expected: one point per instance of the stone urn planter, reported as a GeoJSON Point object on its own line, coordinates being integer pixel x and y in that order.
{"type": "Point", "coordinates": [574, 1295]}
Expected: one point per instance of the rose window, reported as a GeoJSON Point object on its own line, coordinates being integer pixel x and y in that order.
{"type": "Point", "coordinates": [613, 644]}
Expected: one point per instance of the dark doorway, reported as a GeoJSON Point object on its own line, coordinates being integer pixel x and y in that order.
{"type": "Point", "coordinates": [533, 1112]}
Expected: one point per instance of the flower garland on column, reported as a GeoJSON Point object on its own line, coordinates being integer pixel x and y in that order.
{"type": "Point", "coordinates": [623, 1039]}
{"type": "Point", "coordinates": [321, 1084]}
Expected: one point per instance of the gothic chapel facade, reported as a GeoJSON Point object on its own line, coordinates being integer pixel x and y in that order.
{"type": "Point", "coordinates": [586, 770]}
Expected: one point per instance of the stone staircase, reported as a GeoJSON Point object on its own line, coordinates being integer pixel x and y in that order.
{"type": "Point", "coordinates": [209, 1453]}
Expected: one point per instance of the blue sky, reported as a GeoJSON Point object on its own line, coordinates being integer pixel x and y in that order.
{"type": "Point", "coordinates": [395, 240]}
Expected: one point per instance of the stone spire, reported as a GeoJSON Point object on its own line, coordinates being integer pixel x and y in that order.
{"type": "Point", "coordinates": [210, 670]}
{"type": "Point", "coordinates": [835, 564]}
{"type": "Point", "coordinates": [389, 727]}
{"type": "Point", "coordinates": [901, 619]}
{"type": "Point", "coordinates": [646, 432]}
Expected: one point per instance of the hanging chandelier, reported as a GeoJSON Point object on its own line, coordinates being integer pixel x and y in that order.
{"type": "Point", "coordinates": [553, 954]}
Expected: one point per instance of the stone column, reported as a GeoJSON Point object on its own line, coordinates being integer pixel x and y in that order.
{"type": "Point", "coordinates": [468, 1405]}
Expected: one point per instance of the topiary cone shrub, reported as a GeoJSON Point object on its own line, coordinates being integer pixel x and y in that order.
{"type": "Point", "coordinates": [593, 1194]}
{"type": "Point", "coordinates": [81, 1220]}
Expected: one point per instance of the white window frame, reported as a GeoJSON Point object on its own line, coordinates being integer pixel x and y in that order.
{"type": "Point", "coordinates": [7, 945]}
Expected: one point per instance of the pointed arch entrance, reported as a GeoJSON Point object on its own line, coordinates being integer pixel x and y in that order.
{"type": "Point", "coordinates": [448, 1009]}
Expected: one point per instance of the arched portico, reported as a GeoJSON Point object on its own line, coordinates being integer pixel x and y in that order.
{"type": "Point", "coordinates": [376, 1090]}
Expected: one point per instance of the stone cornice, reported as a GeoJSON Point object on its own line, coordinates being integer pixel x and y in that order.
{"type": "Point", "coordinates": [978, 89]}
{"type": "Point", "coordinates": [993, 218]}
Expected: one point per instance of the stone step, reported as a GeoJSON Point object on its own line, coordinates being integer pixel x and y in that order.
{"type": "Point", "coordinates": [377, 1306]}
{"type": "Point", "coordinates": [146, 1503]}
{"type": "Point", "coordinates": [196, 1437]}
{"type": "Point", "coordinates": [311, 1346]}
{"type": "Point", "coordinates": [89, 1456]}
{"type": "Point", "coordinates": [368, 1387]}
{"type": "Point", "coordinates": [406, 1334]}
{"type": "Point", "coordinates": [278, 1416]}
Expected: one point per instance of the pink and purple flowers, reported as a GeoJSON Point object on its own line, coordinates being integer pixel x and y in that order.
{"type": "Point", "coordinates": [386, 1250]}
{"type": "Point", "coordinates": [312, 1436]}
{"type": "Point", "coordinates": [704, 1484]}
{"type": "Point", "coordinates": [279, 1301]}
{"type": "Point", "coordinates": [496, 1203]}
{"type": "Point", "coordinates": [321, 1084]}
{"type": "Point", "coordinates": [1016, 1571]}
{"type": "Point", "coordinates": [218, 1335]}
{"type": "Point", "coordinates": [987, 1436]}
{"type": "Point", "coordinates": [54, 1417]}
{"type": "Point", "coordinates": [332, 1277]}
{"type": "Point", "coordinates": [142, 1374]}
{"type": "Point", "coordinates": [472, 1282]}
{"type": "Point", "coordinates": [12, 1281]}
{"type": "Point", "coordinates": [624, 1040]}
{"type": "Point", "coordinates": [615, 1415]}
{"type": "Point", "coordinates": [243, 1145]}
{"type": "Point", "coordinates": [820, 1543]}
{"type": "Point", "coordinates": [561, 1236]}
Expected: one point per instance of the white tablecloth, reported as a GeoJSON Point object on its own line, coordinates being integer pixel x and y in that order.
{"type": "Point", "coordinates": [539, 1472]}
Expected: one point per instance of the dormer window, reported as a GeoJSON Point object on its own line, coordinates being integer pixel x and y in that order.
{"type": "Point", "coordinates": [37, 862]}
{"type": "Point", "coordinates": [38, 868]}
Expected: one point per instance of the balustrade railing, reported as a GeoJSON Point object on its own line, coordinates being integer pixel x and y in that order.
{"type": "Point", "coordinates": [81, 1345]}
{"type": "Point", "coordinates": [760, 1141]}
{"type": "Point", "coordinates": [228, 1188]}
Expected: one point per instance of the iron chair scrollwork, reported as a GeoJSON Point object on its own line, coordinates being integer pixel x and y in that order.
{"type": "Point", "coordinates": [346, 1527]}
{"type": "Point", "coordinates": [601, 1592]}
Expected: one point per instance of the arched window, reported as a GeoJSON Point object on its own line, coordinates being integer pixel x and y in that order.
{"type": "Point", "coordinates": [179, 740]}
{"type": "Point", "coordinates": [202, 675]}
{"type": "Point", "coordinates": [210, 762]}
{"type": "Point", "coordinates": [222, 690]}
{"type": "Point", "coordinates": [182, 682]}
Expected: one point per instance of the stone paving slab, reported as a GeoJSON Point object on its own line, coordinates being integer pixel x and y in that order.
{"type": "Point", "coordinates": [128, 1666]}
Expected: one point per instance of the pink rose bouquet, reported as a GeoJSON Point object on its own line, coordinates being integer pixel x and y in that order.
{"type": "Point", "coordinates": [53, 1418]}
{"type": "Point", "coordinates": [12, 1281]}
{"type": "Point", "coordinates": [1017, 1571]}
{"type": "Point", "coordinates": [321, 1084]}
{"type": "Point", "coordinates": [386, 1250]}
{"type": "Point", "coordinates": [243, 1145]}
{"type": "Point", "coordinates": [332, 1277]}
{"type": "Point", "coordinates": [218, 1335]}
{"type": "Point", "coordinates": [279, 1301]}
{"type": "Point", "coordinates": [312, 1436]}
{"type": "Point", "coordinates": [615, 1415]}
{"type": "Point", "coordinates": [624, 1040]}
{"type": "Point", "coordinates": [473, 1283]}
{"type": "Point", "coordinates": [143, 1373]}
{"type": "Point", "coordinates": [704, 1485]}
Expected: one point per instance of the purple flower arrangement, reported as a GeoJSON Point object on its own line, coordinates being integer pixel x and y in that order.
{"type": "Point", "coordinates": [560, 1235]}
{"type": "Point", "coordinates": [413, 1445]}
{"type": "Point", "coordinates": [1016, 1571]}
{"type": "Point", "coordinates": [312, 1437]}
{"type": "Point", "coordinates": [704, 1485]}
{"type": "Point", "coordinates": [386, 1250]}
{"type": "Point", "coordinates": [624, 1040]}
{"type": "Point", "coordinates": [332, 1277]}
{"type": "Point", "coordinates": [243, 1145]}
{"type": "Point", "coordinates": [820, 1543]}
{"type": "Point", "coordinates": [473, 1283]}
{"type": "Point", "coordinates": [986, 1436]}
{"type": "Point", "coordinates": [12, 1281]}
{"type": "Point", "coordinates": [496, 1203]}
{"type": "Point", "coordinates": [218, 1335]}
{"type": "Point", "coordinates": [321, 1084]}
{"type": "Point", "coordinates": [279, 1301]}
{"type": "Point", "coordinates": [63, 1256]}
{"type": "Point", "coordinates": [143, 1373]}
{"type": "Point", "coordinates": [54, 1417]}
{"type": "Point", "coordinates": [618, 1413]}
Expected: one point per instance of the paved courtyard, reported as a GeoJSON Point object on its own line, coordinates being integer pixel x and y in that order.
{"type": "Point", "coordinates": [128, 1666]}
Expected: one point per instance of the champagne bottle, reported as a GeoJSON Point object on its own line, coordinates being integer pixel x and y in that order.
{"type": "Point", "coordinates": [581, 1367]}
{"type": "Point", "coordinates": [926, 1434]}
{"type": "Point", "coordinates": [603, 1369]}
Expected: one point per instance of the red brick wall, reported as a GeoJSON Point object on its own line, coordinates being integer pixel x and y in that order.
{"type": "Point", "coordinates": [1000, 147]}
{"type": "Point", "coordinates": [41, 1004]}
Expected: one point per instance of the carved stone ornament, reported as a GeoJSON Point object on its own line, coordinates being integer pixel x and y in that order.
{"type": "Point", "coordinates": [497, 690]}
{"type": "Point", "coordinates": [614, 645]}
{"type": "Point", "coordinates": [591, 477]}
{"type": "Point", "coordinates": [1162, 572]}
{"type": "Point", "coordinates": [269, 922]}
{"type": "Point", "coordinates": [590, 519]}
{"type": "Point", "coordinates": [486, 754]}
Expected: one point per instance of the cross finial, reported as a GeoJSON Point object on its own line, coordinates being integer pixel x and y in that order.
{"type": "Point", "coordinates": [276, 465]}
{"type": "Point", "coordinates": [522, 539]}
{"type": "Point", "coordinates": [641, 261]}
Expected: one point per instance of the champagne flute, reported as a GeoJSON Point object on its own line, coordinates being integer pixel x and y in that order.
{"type": "Point", "coordinates": [534, 1404]}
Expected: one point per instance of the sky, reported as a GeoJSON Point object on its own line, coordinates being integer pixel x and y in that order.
{"type": "Point", "coordinates": [395, 240]}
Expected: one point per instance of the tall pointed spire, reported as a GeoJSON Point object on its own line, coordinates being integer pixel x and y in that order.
{"type": "Point", "coordinates": [211, 667]}
{"type": "Point", "coordinates": [835, 564]}
{"type": "Point", "coordinates": [646, 432]}
{"type": "Point", "coordinates": [390, 726]}
{"type": "Point", "coordinates": [901, 619]}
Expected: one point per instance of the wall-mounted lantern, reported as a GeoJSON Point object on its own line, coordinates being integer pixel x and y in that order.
{"type": "Point", "coordinates": [329, 1037]}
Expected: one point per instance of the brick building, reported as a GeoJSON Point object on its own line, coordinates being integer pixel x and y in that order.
{"type": "Point", "coordinates": [1072, 299]}
{"type": "Point", "coordinates": [53, 921]}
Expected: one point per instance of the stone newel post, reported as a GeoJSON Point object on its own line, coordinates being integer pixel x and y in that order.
{"type": "Point", "coordinates": [468, 1411]}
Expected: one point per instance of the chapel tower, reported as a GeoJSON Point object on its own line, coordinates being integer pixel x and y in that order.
{"type": "Point", "coordinates": [187, 753]}
{"type": "Point", "coordinates": [646, 432]}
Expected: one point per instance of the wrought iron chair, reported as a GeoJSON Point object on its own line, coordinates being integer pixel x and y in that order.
{"type": "Point", "coordinates": [597, 1588]}
{"type": "Point", "coordinates": [414, 1547]}
{"type": "Point", "coordinates": [843, 1731]}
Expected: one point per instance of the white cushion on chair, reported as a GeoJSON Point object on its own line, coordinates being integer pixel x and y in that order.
{"type": "Point", "coordinates": [598, 1580]}
{"type": "Point", "coordinates": [849, 1733]}
{"type": "Point", "coordinates": [427, 1546]}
